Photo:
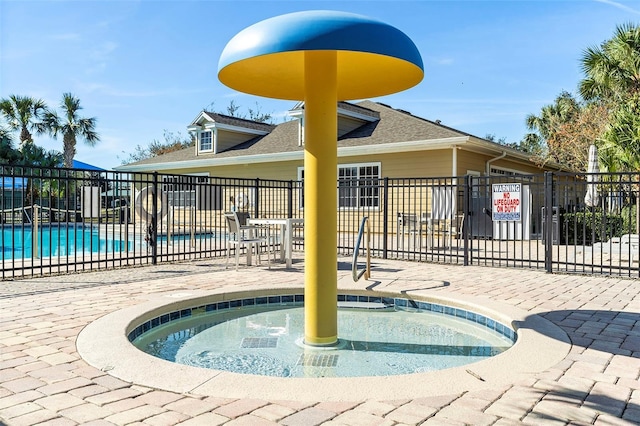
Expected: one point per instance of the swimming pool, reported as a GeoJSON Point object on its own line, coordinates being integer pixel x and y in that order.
{"type": "Point", "coordinates": [62, 239]}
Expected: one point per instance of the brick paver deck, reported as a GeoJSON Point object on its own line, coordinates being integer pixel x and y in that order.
{"type": "Point", "coordinates": [43, 380]}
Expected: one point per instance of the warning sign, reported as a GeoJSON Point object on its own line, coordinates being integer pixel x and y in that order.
{"type": "Point", "coordinates": [506, 201]}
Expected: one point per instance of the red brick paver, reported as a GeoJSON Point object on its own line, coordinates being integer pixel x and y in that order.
{"type": "Point", "coordinates": [43, 380]}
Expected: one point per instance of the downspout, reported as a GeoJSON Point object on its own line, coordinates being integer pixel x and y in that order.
{"type": "Point", "coordinates": [454, 161]}
{"type": "Point", "coordinates": [491, 160]}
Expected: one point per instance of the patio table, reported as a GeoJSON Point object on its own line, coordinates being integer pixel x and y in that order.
{"type": "Point", "coordinates": [286, 226]}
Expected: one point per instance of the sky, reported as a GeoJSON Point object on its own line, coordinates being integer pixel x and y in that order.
{"type": "Point", "coordinates": [149, 66]}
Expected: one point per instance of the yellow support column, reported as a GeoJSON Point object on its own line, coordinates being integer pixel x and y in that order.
{"type": "Point", "coordinates": [320, 56]}
{"type": "Point", "coordinates": [320, 199]}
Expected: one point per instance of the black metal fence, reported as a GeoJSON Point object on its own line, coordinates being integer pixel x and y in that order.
{"type": "Point", "coordinates": [68, 220]}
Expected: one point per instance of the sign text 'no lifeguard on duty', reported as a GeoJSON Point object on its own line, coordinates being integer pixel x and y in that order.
{"type": "Point", "coordinates": [506, 201]}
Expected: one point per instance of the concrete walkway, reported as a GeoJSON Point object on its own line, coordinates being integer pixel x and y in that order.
{"type": "Point", "coordinates": [43, 379]}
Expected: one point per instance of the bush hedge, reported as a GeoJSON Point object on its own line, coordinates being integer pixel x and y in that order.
{"type": "Point", "coordinates": [586, 228]}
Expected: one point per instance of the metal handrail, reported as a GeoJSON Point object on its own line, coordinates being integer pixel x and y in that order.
{"type": "Point", "coordinates": [355, 274]}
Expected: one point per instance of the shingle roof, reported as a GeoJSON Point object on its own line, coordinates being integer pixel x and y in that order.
{"type": "Point", "coordinates": [239, 122]}
{"type": "Point", "coordinates": [394, 126]}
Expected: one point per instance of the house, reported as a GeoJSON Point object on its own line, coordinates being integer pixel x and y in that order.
{"type": "Point", "coordinates": [374, 141]}
{"type": "Point", "coordinates": [372, 138]}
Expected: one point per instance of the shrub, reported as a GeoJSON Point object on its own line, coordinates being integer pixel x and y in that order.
{"type": "Point", "coordinates": [629, 220]}
{"type": "Point", "coordinates": [585, 228]}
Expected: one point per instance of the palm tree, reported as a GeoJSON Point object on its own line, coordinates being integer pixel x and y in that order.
{"type": "Point", "coordinates": [613, 69]}
{"type": "Point", "coordinates": [71, 126]}
{"type": "Point", "coordinates": [8, 154]}
{"type": "Point", "coordinates": [613, 78]}
{"type": "Point", "coordinates": [563, 109]}
{"type": "Point", "coordinates": [24, 114]}
{"type": "Point", "coordinates": [34, 155]}
{"type": "Point", "coordinates": [548, 124]}
{"type": "Point", "coordinates": [24, 161]}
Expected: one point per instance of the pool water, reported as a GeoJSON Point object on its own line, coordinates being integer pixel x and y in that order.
{"type": "Point", "coordinates": [57, 240]}
{"type": "Point", "coordinates": [267, 341]}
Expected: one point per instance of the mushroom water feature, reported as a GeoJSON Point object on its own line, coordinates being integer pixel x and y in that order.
{"type": "Point", "coordinates": [320, 57]}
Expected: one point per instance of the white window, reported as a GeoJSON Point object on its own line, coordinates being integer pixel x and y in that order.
{"type": "Point", "coordinates": [206, 141]}
{"type": "Point", "coordinates": [192, 191]}
{"type": "Point", "coordinates": [358, 185]}
{"type": "Point", "coordinates": [499, 171]}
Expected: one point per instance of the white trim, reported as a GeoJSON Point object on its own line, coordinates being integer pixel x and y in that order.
{"type": "Point", "coordinates": [298, 111]}
{"type": "Point", "coordinates": [357, 115]}
{"type": "Point", "coordinates": [215, 162]}
{"type": "Point", "coordinates": [301, 192]}
{"type": "Point", "coordinates": [177, 192]}
{"type": "Point", "coordinates": [358, 166]}
{"type": "Point", "coordinates": [235, 129]}
{"type": "Point", "coordinates": [506, 169]}
{"type": "Point", "coordinates": [301, 131]}
{"type": "Point", "coordinates": [454, 161]}
{"type": "Point", "coordinates": [196, 120]}
{"type": "Point", "coordinates": [377, 164]}
{"type": "Point", "coordinates": [386, 148]}
{"type": "Point", "coordinates": [199, 141]}
{"type": "Point", "coordinates": [349, 151]}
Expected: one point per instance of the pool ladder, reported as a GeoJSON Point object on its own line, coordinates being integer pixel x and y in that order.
{"type": "Point", "coordinates": [355, 274]}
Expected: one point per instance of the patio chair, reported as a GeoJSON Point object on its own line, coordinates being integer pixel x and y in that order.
{"type": "Point", "coordinates": [409, 225]}
{"type": "Point", "coordinates": [243, 236]}
{"type": "Point", "coordinates": [258, 231]}
{"type": "Point", "coordinates": [242, 217]}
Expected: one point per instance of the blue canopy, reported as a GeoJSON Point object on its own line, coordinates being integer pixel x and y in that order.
{"type": "Point", "coordinates": [17, 183]}
{"type": "Point", "coordinates": [84, 166]}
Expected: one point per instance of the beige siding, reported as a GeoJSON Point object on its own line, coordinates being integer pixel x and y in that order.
{"type": "Point", "coordinates": [347, 124]}
{"type": "Point", "coordinates": [424, 164]}
{"type": "Point", "coordinates": [436, 163]}
{"type": "Point", "coordinates": [520, 167]}
{"type": "Point", "coordinates": [277, 171]}
{"type": "Point", "coordinates": [227, 139]}
{"type": "Point", "coordinates": [470, 161]}
{"type": "Point", "coordinates": [478, 162]}
{"type": "Point", "coordinates": [407, 164]}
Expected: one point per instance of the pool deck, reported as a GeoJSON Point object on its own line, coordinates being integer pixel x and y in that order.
{"type": "Point", "coordinates": [43, 378]}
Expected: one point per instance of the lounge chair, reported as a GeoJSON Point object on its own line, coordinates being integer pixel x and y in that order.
{"type": "Point", "coordinates": [628, 244]}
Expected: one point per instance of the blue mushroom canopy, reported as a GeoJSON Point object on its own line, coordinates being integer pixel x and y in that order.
{"type": "Point", "coordinates": [268, 58]}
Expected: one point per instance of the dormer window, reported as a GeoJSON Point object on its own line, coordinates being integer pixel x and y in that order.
{"type": "Point", "coordinates": [350, 117]}
{"type": "Point", "coordinates": [206, 141]}
{"type": "Point", "coordinates": [217, 133]}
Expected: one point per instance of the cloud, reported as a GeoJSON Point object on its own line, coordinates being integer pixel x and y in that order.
{"type": "Point", "coordinates": [474, 101]}
{"type": "Point", "coordinates": [107, 153]}
{"type": "Point", "coordinates": [65, 37]}
{"type": "Point", "coordinates": [444, 61]}
{"type": "Point", "coordinates": [620, 6]}
{"type": "Point", "coordinates": [105, 89]}
{"type": "Point", "coordinates": [100, 56]}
